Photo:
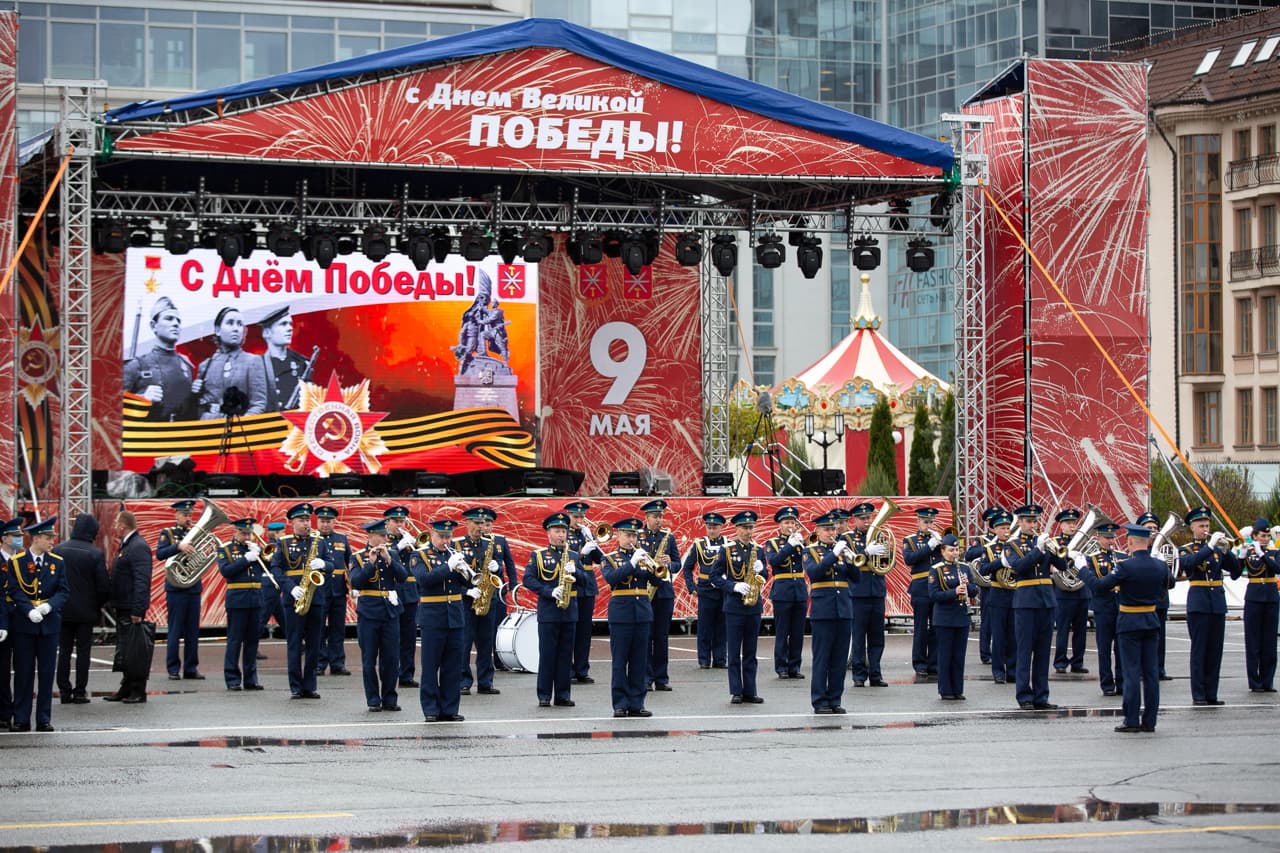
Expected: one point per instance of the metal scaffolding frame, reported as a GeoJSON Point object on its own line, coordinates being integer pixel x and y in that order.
{"type": "Point", "coordinates": [77, 132]}
{"type": "Point", "coordinates": [716, 343]}
{"type": "Point", "coordinates": [972, 445]}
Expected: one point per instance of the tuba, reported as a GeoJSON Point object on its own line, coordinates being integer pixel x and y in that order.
{"type": "Point", "coordinates": [883, 564]}
{"type": "Point", "coordinates": [1161, 547]}
{"type": "Point", "coordinates": [184, 570]}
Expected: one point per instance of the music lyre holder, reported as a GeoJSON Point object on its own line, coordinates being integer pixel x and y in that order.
{"type": "Point", "coordinates": [234, 404]}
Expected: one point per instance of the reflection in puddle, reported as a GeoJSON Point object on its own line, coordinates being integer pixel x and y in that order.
{"type": "Point", "coordinates": [443, 835]}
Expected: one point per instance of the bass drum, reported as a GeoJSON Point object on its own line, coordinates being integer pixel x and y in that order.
{"type": "Point", "coordinates": [517, 643]}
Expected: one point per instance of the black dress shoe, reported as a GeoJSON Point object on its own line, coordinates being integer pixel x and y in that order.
{"type": "Point", "coordinates": [859, 684]}
{"type": "Point", "coordinates": [254, 687]}
{"type": "Point", "coordinates": [704, 666]}
{"type": "Point", "coordinates": [1199, 702]}
{"type": "Point", "coordinates": [719, 666]}
{"type": "Point", "coordinates": [1147, 728]}
{"type": "Point", "coordinates": [1045, 706]}
{"type": "Point", "coordinates": [374, 709]}
{"type": "Point", "coordinates": [387, 707]}
{"type": "Point", "coordinates": [1216, 702]}
{"type": "Point", "coordinates": [640, 712]}
{"type": "Point", "coordinates": [544, 703]}
{"type": "Point", "coordinates": [1060, 670]}
{"type": "Point", "coordinates": [173, 676]}
{"type": "Point", "coordinates": [1026, 706]}
{"type": "Point", "coordinates": [488, 691]}
{"type": "Point", "coordinates": [19, 727]}
{"type": "Point", "coordinates": [1128, 730]}
{"type": "Point", "coordinates": [452, 718]}
{"type": "Point", "coordinates": [466, 691]}
{"type": "Point", "coordinates": [79, 699]}
{"type": "Point", "coordinates": [309, 694]}
{"type": "Point", "coordinates": [822, 711]}
{"type": "Point", "coordinates": [754, 700]}
{"type": "Point", "coordinates": [1080, 670]}
{"type": "Point", "coordinates": [1268, 690]}
{"type": "Point", "coordinates": [261, 656]}
{"type": "Point", "coordinates": [337, 670]}
{"type": "Point", "coordinates": [233, 687]}
{"type": "Point", "coordinates": [947, 698]}
{"type": "Point", "coordinates": [584, 679]}
{"type": "Point", "coordinates": [959, 697]}
{"type": "Point", "coordinates": [65, 698]}
{"type": "Point", "coordinates": [662, 688]}
{"type": "Point", "coordinates": [565, 703]}
{"type": "Point", "coordinates": [409, 683]}
{"type": "Point", "coordinates": [838, 710]}
{"type": "Point", "coordinates": [796, 675]}
{"type": "Point", "coordinates": [620, 712]}
{"type": "Point", "coordinates": [44, 727]}
{"type": "Point", "coordinates": [431, 718]}
{"type": "Point", "coordinates": [1166, 678]}
{"type": "Point", "coordinates": [193, 676]}
{"type": "Point", "coordinates": [140, 699]}
{"type": "Point", "coordinates": [735, 700]}
{"type": "Point", "coordinates": [879, 682]}
{"type": "Point", "coordinates": [114, 697]}
{"type": "Point", "coordinates": [997, 681]}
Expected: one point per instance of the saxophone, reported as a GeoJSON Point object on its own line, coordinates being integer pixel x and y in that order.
{"type": "Point", "coordinates": [311, 580]}
{"type": "Point", "coordinates": [754, 580]}
{"type": "Point", "coordinates": [659, 571]}
{"type": "Point", "coordinates": [566, 581]}
{"type": "Point", "coordinates": [487, 583]}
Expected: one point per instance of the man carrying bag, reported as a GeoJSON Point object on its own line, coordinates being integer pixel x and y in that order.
{"type": "Point", "coordinates": [131, 594]}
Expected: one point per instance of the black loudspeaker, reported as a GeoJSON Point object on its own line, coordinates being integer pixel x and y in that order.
{"type": "Point", "coordinates": [822, 481]}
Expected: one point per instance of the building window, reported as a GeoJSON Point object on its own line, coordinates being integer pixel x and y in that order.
{"type": "Point", "coordinates": [1208, 422]}
{"type": "Point", "coordinates": [1244, 229]}
{"type": "Point", "coordinates": [1269, 331]}
{"type": "Point", "coordinates": [763, 367]}
{"type": "Point", "coordinates": [1244, 327]}
{"type": "Point", "coordinates": [762, 308]}
{"type": "Point", "coordinates": [1240, 148]}
{"type": "Point", "coordinates": [1270, 427]}
{"type": "Point", "coordinates": [1266, 140]}
{"type": "Point", "coordinates": [1201, 204]}
{"type": "Point", "coordinates": [1244, 417]}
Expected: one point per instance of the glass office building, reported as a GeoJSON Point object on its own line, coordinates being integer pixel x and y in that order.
{"type": "Point", "coordinates": [904, 62]}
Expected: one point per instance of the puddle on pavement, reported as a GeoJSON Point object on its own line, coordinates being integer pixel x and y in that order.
{"type": "Point", "coordinates": [443, 835]}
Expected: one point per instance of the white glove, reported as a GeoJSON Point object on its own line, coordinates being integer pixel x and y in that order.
{"type": "Point", "coordinates": [493, 567]}
{"type": "Point", "coordinates": [4, 635]}
{"type": "Point", "coordinates": [757, 567]}
{"type": "Point", "coordinates": [355, 594]}
{"type": "Point", "coordinates": [934, 541]}
{"type": "Point", "coordinates": [875, 549]}
{"type": "Point", "coordinates": [1217, 537]}
{"type": "Point", "coordinates": [1257, 549]}
{"type": "Point", "coordinates": [842, 547]}
{"type": "Point", "coordinates": [406, 541]}
{"type": "Point", "coordinates": [587, 535]}
{"type": "Point", "coordinates": [795, 540]}
{"type": "Point", "coordinates": [394, 598]}
{"type": "Point", "coordinates": [741, 588]}
{"type": "Point", "coordinates": [1004, 561]}
{"type": "Point", "coordinates": [296, 592]}
{"type": "Point", "coordinates": [637, 557]}
{"type": "Point", "coordinates": [1074, 554]}
{"type": "Point", "coordinates": [45, 609]}
{"type": "Point", "coordinates": [570, 569]}
{"type": "Point", "coordinates": [1246, 532]}
{"type": "Point", "coordinates": [557, 593]}
{"type": "Point", "coordinates": [1042, 540]}
{"type": "Point", "coordinates": [317, 564]}
{"type": "Point", "coordinates": [252, 554]}
{"type": "Point", "coordinates": [457, 560]}
{"type": "Point", "coordinates": [589, 547]}
{"type": "Point", "coordinates": [475, 593]}
{"type": "Point", "coordinates": [36, 616]}
{"type": "Point", "coordinates": [641, 554]}
{"type": "Point", "coordinates": [1275, 533]}
{"type": "Point", "coordinates": [1078, 559]}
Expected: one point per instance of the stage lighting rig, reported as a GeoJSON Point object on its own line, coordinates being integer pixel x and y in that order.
{"type": "Point", "coordinates": [140, 235]}
{"type": "Point", "coordinates": [919, 255]}
{"type": "Point", "coordinates": [612, 242]}
{"type": "Point", "coordinates": [110, 236]}
{"type": "Point", "coordinates": [283, 241]}
{"type": "Point", "coordinates": [724, 254]}
{"type": "Point", "coordinates": [799, 226]}
{"type": "Point", "coordinates": [248, 239]}
{"type": "Point", "coordinates": [320, 246]}
{"type": "Point", "coordinates": [508, 244]}
{"type": "Point", "coordinates": [537, 244]}
{"type": "Point", "coordinates": [347, 241]}
{"type": "Point", "coordinates": [178, 237]}
{"type": "Point", "coordinates": [770, 252]}
{"type": "Point", "coordinates": [899, 210]}
{"type": "Point", "coordinates": [416, 244]}
{"type": "Point", "coordinates": [474, 244]}
{"type": "Point", "coordinates": [585, 247]}
{"type": "Point", "coordinates": [809, 255]}
{"type": "Point", "coordinates": [689, 249]}
{"type": "Point", "coordinates": [631, 251]}
{"type": "Point", "coordinates": [441, 243]}
{"type": "Point", "coordinates": [228, 243]}
{"type": "Point", "coordinates": [940, 210]}
{"type": "Point", "coordinates": [866, 253]}
{"type": "Point", "coordinates": [652, 239]}
{"type": "Point", "coordinates": [374, 243]}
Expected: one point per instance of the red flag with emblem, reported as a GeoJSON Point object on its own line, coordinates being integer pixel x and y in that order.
{"type": "Point", "coordinates": [591, 283]}
{"type": "Point", "coordinates": [638, 286]}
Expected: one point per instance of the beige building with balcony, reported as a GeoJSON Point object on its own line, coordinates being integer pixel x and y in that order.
{"type": "Point", "coordinates": [1214, 154]}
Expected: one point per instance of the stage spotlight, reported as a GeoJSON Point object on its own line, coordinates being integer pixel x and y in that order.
{"type": "Point", "coordinates": [724, 254]}
{"type": "Point", "coordinates": [320, 246]}
{"type": "Point", "coordinates": [770, 253]}
{"type": "Point", "coordinates": [809, 256]}
{"type": "Point", "coordinates": [624, 483]}
{"type": "Point", "coordinates": [632, 252]}
{"type": "Point", "coordinates": [140, 235]}
{"type": "Point", "coordinates": [612, 242]}
{"type": "Point", "coordinates": [474, 244]}
{"type": "Point", "coordinates": [508, 245]}
{"type": "Point", "coordinates": [228, 244]}
{"type": "Point", "coordinates": [899, 208]}
{"type": "Point", "coordinates": [717, 483]}
{"type": "Point", "coordinates": [208, 236]}
{"type": "Point", "coordinates": [283, 241]}
{"type": "Point", "coordinates": [441, 243]}
{"type": "Point", "coordinates": [652, 239]}
{"type": "Point", "coordinates": [374, 243]}
{"type": "Point", "coordinates": [416, 244]}
{"type": "Point", "coordinates": [689, 249]}
{"type": "Point", "coordinates": [940, 210]}
{"type": "Point", "coordinates": [796, 235]}
{"type": "Point", "coordinates": [178, 237]}
{"type": "Point", "coordinates": [866, 253]}
{"type": "Point", "coordinates": [537, 245]}
{"type": "Point", "coordinates": [347, 242]}
{"type": "Point", "coordinates": [919, 255]}
{"type": "Point", "coordinates": [585, 247]}
{"type": "Point", "coordinates": [110, 236]}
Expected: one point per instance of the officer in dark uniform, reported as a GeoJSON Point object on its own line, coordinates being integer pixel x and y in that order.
{"type": "Point", "coordinates": [296, 555]}
{"type": "Point", "coordinates": [507, 565]}
{"type": "Point", "coordinates": [183, 603]}
{"type": "Point", "coordinates": [789, 593]}
{"type": "Point", "coordinates": [1104, 604]}
{"type": "Point", "coordinates": [545, 577]}
{"type": "Point", "coordinates": [163, 375]}
{"type": "Point", "coordinates": [975, 551]}
{"type": "Point", "coordinates": [37, 585]}
{"type": "Point", "coordinates": [949, 588]}
{"type": "Point", "coordinates": [239, 562]}
{"type": "Point", "coordinates": [11, 544]}
{"type": "Point", "coordinates": [829, 566]}
{"type": "Point", "coordinates": [738, 561]}
{"type": "Point", "coordinates": [583, 540]}
{"type": "Point", "coordinates": [696, 572]}
{"type": "Point", "coordinates": [283, 367]}
{"type": "Point", "coordinates": [659, 543]}
{"type": "Point", "coordinates": [1073, 605]}
{"type": "Point", "coordinates": [998, 599]}
{"type": "Point", "coordinates": [1033, 606]}
{"type": "Point", "coordinates": [376, 574]}
{"type": "Point", "coordinates": [333, 632]}
{"type": "Point", "coordinates": [630, 619]}
{"type": "Point", "coordinates": [1149, 521]}
{"type": "Point", "coordinates": [480, 628]}
{"type": "Point", "coordinates": [1139, 578]}
{"type": "Point", "coordinates": [271, 605]}
{"type": "Point", "coordinates": [920, 552]}
{"type": "Point", "coordinates": [1201, 561]}
{"type": "Point", "coordinates": [1261, 608]}
{"type": "Point", "coordinates": [403, 544]}
{"type": "Point", "coordinates": [443, 579]}
{"type": "Point", "coordinates": [868, 602]}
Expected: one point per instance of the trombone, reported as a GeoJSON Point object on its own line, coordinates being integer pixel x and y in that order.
{"type": "Point", "coordinates": [266, 550]}
{"type": "Point", "coordinates": [421, 538]}
{"type": "Point", "coordinates": [602, 532]}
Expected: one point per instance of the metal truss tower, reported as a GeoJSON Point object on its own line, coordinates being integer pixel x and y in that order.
{"type": "Point", "coordinates": [76, 134]}
{"type": "Point", "coordinates": [972, 447]}
{"type": "Point", "coordinates": [715, 368]}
